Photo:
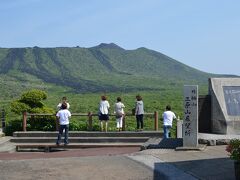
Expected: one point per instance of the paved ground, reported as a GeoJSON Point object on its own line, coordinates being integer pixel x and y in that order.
{"type": "Point", "coordinates": [68, 153]}
{"type": "Point", "coordinates": [93, 167]}
{"type": "Point", "coordinates": [118, 163]}
{"type": "Point", "coordinates": [213, 163]}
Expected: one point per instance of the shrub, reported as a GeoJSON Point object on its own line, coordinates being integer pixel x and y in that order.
{"type": "Point", "coordinates": [31, 102]}
{"type": "Point", "coordinates": [233, 148]}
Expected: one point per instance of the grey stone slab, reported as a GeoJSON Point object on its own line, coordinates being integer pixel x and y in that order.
{"type": "Point", "coordinates": [217, 136]}
{"type": "Point", "coordinates": [225, 105]}
{"type": "Point", "coordinates": [200, 147]}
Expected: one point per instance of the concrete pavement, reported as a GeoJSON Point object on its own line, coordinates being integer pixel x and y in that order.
{"type": "Point", "coordinates": [115, 163]}
{"type": "Point", "coordinates": [213, 163]}
{"type": "Point", "coordinates": [75, 168]}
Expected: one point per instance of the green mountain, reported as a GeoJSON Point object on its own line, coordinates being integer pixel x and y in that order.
{"type": "Point", "coordinates": [103, 68]}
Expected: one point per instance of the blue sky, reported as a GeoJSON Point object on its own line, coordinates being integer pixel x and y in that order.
{"type": "Point", "coordinates": [204, 34]}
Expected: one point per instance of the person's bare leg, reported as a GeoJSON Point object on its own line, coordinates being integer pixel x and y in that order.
{"type": "Point", "coordinates": [106, 126]}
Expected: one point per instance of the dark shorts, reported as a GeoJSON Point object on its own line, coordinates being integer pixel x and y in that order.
{"type": "Point", "coordinates": [103, 117]}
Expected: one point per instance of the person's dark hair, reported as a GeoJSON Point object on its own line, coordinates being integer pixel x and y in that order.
{"type": "Point", "coordinates": [64, 98]}
{"type": "Point", "coordinates": [64, 106]}
{"type": "Point", "coordinates": [119, 99]}
{"type": "Point", "coordinates": [168, 108]}
{"type": "Point", "coordinates": [139, 98]}
{"type": "Point", "coordinates": [104, 98]}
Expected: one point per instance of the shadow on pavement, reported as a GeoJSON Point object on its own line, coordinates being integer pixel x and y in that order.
{"type": "Point", "coordinates": [170, 143]}
{"type": "Point", "coordinates": [220, 169]}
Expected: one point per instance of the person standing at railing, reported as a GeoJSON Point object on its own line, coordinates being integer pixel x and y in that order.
{"type": "Point", "coordinates": [119, 113]}
{"type": "Point", "coordinates": [168, 117]}
{"type": "Point", "coordinates": [63, 115]}
{"type": "Point", "coordinates": [139, 111]}
{"type": "Point", "coordinates": [64, 100]}
{"type": "Point", "coordinates": [103, 114]}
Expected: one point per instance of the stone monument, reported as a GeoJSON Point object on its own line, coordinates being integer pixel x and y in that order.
{"type": "Point", "coordinates": [225, 106]}
{"type": "Point", "coordinates": [190, 121]}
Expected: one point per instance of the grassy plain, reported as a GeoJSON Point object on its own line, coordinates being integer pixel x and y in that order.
{"type": "Point", "coordinates": [88, 102]}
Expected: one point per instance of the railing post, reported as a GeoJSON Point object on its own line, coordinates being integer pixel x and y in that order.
{"type": "Point", "coordinates": [25, 121]}
{"type": "Point", "coordinates": [3, 120]}
{"type": "Point", "coordinates": [90, 121]}
{"type": "Point", "coordinates": [156, 120]}
{"type": "Point", "coordinates": [57, 123]}
{"type": "Point", "coordinates": [123, 123]}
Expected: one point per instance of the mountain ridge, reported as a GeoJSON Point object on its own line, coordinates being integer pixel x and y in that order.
{"type": "Point", "coordinates": [105, 67]}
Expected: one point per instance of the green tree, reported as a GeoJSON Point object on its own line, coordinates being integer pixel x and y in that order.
{"type": "Point", "coordinates": [32, 102]}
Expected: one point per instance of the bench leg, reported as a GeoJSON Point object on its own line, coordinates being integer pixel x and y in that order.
{"type": "Point", "coordinates": [47, 149]}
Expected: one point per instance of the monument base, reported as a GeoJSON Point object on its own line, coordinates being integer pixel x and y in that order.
{"type": "Point", "coordinates": [200, 147]}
